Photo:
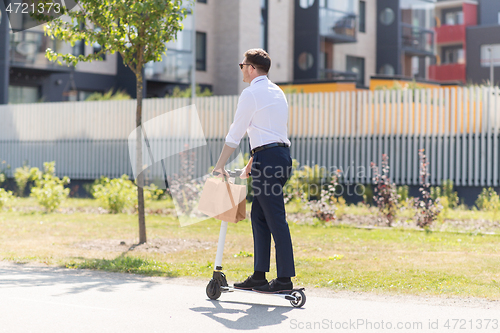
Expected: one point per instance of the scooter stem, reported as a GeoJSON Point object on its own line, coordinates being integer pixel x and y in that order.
{"type": "Point", "coordinates": [220, 245]}
{"type": "Point", "coordinates": [223, 231]}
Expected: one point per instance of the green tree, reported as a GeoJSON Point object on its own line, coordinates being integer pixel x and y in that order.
{"type": "Point", "coordinates": [137, 29]}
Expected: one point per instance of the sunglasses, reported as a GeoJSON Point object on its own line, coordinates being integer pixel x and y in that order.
{"type": "Point", "coordinates": [241, 65]}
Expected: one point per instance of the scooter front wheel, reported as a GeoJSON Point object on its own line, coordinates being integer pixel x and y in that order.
{"type": "Point", "coordinates": [300, 298]}
{"type": "Point", "coordinates": [213, 289]}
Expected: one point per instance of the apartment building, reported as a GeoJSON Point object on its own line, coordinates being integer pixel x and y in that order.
{"type": "Point", "coordinates": [452, 20]}
{"type": "Point", "coordinates": [26, 76]}
{"type": "Point", "coordinates": [310, 42]}
{"type": "Point", "coordinates": [405, 39]}
{"type": "Point", "coordinates": [483, 44]}
{"type": "Point", "coordinates": [467, 35]}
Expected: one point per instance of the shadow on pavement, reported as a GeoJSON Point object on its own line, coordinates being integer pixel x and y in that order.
{"type": "Point", "coordinates": [256, 316]}
{"type": "Point", "coordinates": [78, 280]}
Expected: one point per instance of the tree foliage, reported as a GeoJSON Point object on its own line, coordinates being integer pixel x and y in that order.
{"type": "Point", "coordinates": [138, 29]}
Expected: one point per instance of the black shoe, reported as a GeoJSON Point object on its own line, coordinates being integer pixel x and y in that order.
{"type": "Point", "coordinates": [250, 283]}
{"type": "Point", "coordinates": [275, 286]}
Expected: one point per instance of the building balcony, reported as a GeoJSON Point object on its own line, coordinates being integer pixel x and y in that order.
{"type": "Point", "coordinates": [175, 66]}
{"type": "Point", "coordinates": [417, 41]}
{"type": "Point", "coordinates": [337, 26]}
{"type": "Point", "coordinates": [27, 49]}
{"type": "Point", "coordinates": [448, 34]}
{"type": "Point", "coordinates": [447, 72]}
{"type": "Point", "coordinates": [330, 74]}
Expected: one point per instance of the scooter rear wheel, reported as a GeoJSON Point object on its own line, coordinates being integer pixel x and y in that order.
{"type": "Point", "coordinates": [213, 289]}
{"type": "Point", "coordinates": [300, 298]}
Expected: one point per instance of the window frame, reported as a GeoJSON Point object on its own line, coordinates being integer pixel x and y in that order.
{"type": "Point", "coordinates": [361, 81]}
{"type": "Point", "coordinates": [362, 17]}
{"type": "Point", "coordinates": [201, 63]}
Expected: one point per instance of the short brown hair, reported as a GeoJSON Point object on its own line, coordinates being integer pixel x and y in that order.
{"type": "Point", "coordinates": [259, 58]}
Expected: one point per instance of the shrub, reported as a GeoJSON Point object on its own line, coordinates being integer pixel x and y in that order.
{"type": "Point", "coordinates": [324, 208]}
{"type": "Point", "coordinates": [403, 193]}
{"type": "Point", "coordinates": [427, 209]}
{"type": "Point", "coordinates": [115, 194]}
{"type": "Point", "coordinates": [446, 190]}
{"type": "Point", "coordinates": [25, 175]}
{"type": "Point", "coordinates": [307, 181]}
{"type": "Point", "coordinates": [368, 195]}
{"type": "Point", "coordinates": [488, 200]}
{"type": "Point", "coordinates": [108, 96]}
{"type": "Point", "coordinates": [153, 192]}
{"type": "Point", "coordinates": [49, 190]}
{"type": "Point", "coordinates": [443, 201]}
{"type": "Point", "coordinates": [3, 172]}
{"type": "Point", "coordinates": [186, 93]}
{"type": "Point", "coordinates": [340, 203]}
{"type": "Point", "coordinates": [6, 197]}
{"type": "Point", "coordinates": [386, 196]}
{"type": "Point", "coordinates": [118, 194]}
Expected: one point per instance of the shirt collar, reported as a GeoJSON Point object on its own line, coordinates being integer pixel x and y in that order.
{"type": "Point", "coordinates": [258, 78]}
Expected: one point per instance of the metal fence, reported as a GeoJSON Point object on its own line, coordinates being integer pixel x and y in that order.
{"type": "Point", "coordinates": [457, 127]}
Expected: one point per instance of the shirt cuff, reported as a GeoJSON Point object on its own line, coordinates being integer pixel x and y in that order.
{"type": "Point", "coordinates": [231, 144]}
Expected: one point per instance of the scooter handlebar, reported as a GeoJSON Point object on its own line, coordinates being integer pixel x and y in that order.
{"type": "Point", "coordinates": [232, 173]}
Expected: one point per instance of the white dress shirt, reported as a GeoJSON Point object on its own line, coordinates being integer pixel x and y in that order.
{"type": "Point", "coordinates": [262, 112]}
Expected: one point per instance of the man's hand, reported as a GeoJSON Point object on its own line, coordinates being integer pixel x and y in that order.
{"type": "Point", "coordinates": [247, 169]}
{"type": "Point", "coordinates": [220, 173]}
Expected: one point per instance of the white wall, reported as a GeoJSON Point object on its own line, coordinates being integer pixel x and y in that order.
{"type": "Point", "coordinates": [365, 47]}
{"type": "Point", "coordinates": [249, 34]}
{"type": "Point", "coordinates": [205, 22]}
{"type": "Point", "coordinates": [280, 42]}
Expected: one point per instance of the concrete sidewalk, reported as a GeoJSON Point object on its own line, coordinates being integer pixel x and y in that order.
{"type": "Point", "coordinates": [37, 298]}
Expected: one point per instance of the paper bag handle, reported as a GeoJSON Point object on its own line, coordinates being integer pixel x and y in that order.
{"type": "Point", "coordinates": [230, 194]}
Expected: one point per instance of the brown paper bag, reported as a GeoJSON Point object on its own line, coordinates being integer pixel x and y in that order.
{"type": "Point", "coordinates": [223, 200]}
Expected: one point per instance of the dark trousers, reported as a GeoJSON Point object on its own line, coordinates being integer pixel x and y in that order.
{"type": "Point", "coordinates": [271, 168]}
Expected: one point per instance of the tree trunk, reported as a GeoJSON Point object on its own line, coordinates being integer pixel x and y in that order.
{"type": "Point", "coordinates": [140, 177]}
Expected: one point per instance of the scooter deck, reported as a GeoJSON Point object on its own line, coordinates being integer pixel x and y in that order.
{"type": "Point", "coordinates": [286, 294]}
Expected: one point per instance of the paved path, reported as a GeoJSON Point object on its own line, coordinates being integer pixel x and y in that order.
{"type": "Point", "coordinates": [47, 299]}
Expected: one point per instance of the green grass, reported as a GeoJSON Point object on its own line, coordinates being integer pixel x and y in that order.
{"type": "Point", "coordinates": [127, 264]}
{"type": "Point", "coordinates": [87, 202]}
{"type": "Point", "coordinates": [339, 257]}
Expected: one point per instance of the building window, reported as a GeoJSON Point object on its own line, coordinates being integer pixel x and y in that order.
{"type": "Point", "coordinates": [23, 95]}
{"type": "Point", "coordinates": [79, 48]}
{"type": "Point", "coordinates": [306, 3]}
{"type": "Point", "coordinates": [81, 95]}
{"type": "Point", "coordinates": [97, 48]}
{"type": "Point", "coordinates": [414, 66]}
{"type": "Point", "coordinates": [305, 61]}
{"type": "Point", "coordinates": [387, 69]}
{"type": "Point", "coordinates": [453, 55]}
{"type": "Point", "coordinates": [263, 23]}
{"type": "Point", "coordinates": [362, 16]}
{"type": "Point", "coordinates": [356, 65]}
{"type": "Point", "coordinates": [498, 17]}
{"type": "Point", "coordinates": [201, 51]}
{"type": "Point", "coordinates": [202, 1]}
{"type": "Point", "coordinates": [387, 16]}
{"type": "Point", "coordinates": [453, 16]}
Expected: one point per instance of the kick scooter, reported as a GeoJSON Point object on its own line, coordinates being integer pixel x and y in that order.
{"type": "Point", "coordinates": [218, 283]}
